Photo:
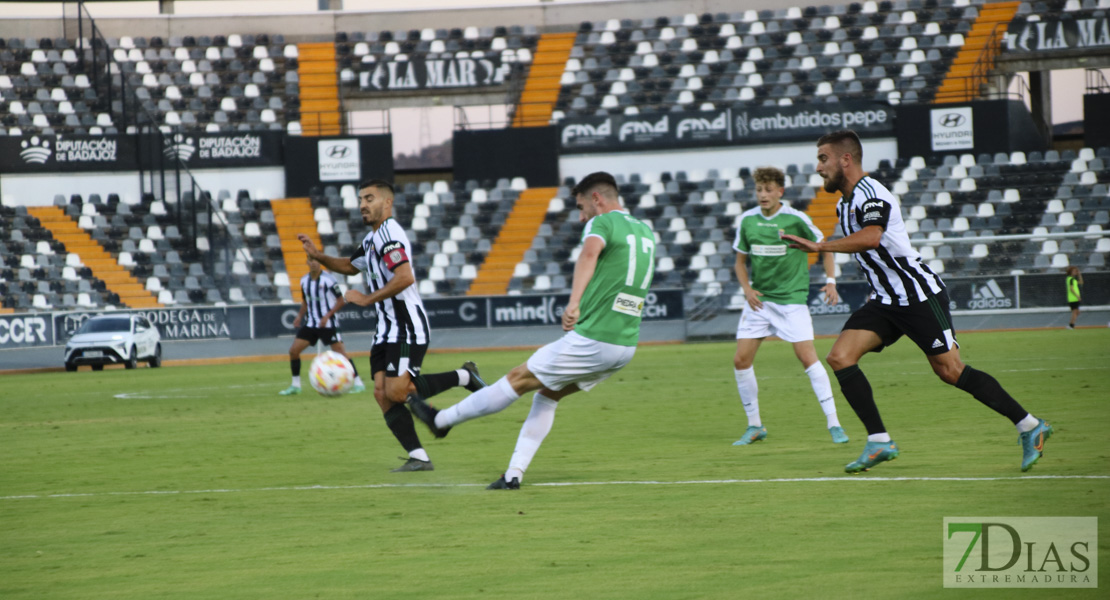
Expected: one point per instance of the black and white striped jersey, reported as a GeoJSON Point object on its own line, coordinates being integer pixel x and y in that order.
{"type": "Point", "coordinates": [401, 318]}
{"type": "Point", "coordinates": [894, 270]}
{"type": "Point", "coordinates": [319, 297]}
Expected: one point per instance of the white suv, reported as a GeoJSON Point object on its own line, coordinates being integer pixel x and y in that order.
{"type": "Point", "coordinates": [112, 339]}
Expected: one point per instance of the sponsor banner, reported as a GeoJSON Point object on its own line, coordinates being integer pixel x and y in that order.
{"type": "Point", "coordinates": [951, 129]}
{"type": "Point", "coordinates": [983, 293]}
{"type": "Point", "coordinates": [1052, 35]}
{"type": "Point", "coordinates": [851, 295]}
{"type": "Point", "coordinates": [762, 124]}
{"type": "Point", "coordinates": [201, 323]}
{"type": "Point", "coordinates": [200, 150]}
{"type": "Point", "coordinates": [51, 153]}
{"type": "Point", "coordinates": [273, 320]}
{"type": "Point", "coordinates": [421, 74]}
{"type": "Point", "coordinates": [25, 331]}
{"type": "Point", "coordinates": [513, 311]}
{"type": "Point", "coordinates": [338, 159]}
{"type": "Point", "coordinates": [457, 313]}
{"type": "Point", "coordinates": [755, 125]}
{"type": "Point", "coordinates": [1020, 552]}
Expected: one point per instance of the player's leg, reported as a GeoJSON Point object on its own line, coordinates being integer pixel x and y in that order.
{"type": "Point", "coordinates": [748, 388]}
{"type": "Point", "coordinates": [1074, 314]}
{"type": "Point", "coordinates": [384, 359]}
{"type": "Point", "coordinates": [427, 385]}
{"type": "Point", "coordinates": [753, 326]}
{"type": "Point", "coordinates": [822, 388]}
{"type": "Point", "coordinates": [486, 401]}
{"type": "Point", "coordinates": [338, 346]}
{"type": "Point", "coordinates": [1032, 432]}
{"type": "Point", "coordinates": [295, 350]}
{"type": "Point", "coordinates": [843, 359]}
{"type": "Point", "coordinates": [581, 365]}
{"type": "Point", "coordinates": [532, 433]}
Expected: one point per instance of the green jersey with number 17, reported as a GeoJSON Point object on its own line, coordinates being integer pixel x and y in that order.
{"type": "Point", "coordinates": [612, 305]}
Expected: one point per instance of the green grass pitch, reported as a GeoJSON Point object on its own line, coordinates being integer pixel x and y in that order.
{"type": "Point", "coordinates": [201, 482]}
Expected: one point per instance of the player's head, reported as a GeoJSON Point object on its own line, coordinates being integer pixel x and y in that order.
{"type": "Point", "coordinates": [595, 194]}
{"type": "Point", "coordinates": [769, 185]}
{"type": "Point", "coordinates": [375, 201]}
{"type": "Point", "coordinates": [313, 267]}
{"type": "Point", "coordinates": [1072, 271]}
{"type": "Point", "coordinates": [836, 152]}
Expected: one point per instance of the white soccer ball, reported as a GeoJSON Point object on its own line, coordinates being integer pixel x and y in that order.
{"type": "Point", "coordinates": [331, 374]}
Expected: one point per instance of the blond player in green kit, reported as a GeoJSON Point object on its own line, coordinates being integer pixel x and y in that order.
{"type": "Point", "coordinates": [776, 298]}
{"type": "Point", "coordinates": [602, 321]}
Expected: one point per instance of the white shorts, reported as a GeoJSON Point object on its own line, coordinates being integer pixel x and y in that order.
{"type": "Point", "coordinates": [577, 359]}
{"type": "Point", "coordinates": [791, 322]}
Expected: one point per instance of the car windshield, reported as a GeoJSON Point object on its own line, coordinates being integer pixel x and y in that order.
{"type": "Point", "coordinates": [105, 325]}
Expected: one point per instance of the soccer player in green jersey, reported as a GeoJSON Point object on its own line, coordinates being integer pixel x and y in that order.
{"type": "Point", "coordinates": [602, 321]}
{"type": "Point", "coordinates": [776, 298]}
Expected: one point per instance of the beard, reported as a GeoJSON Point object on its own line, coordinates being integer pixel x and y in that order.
{"type": "Point", "coordinates": [833, 182]}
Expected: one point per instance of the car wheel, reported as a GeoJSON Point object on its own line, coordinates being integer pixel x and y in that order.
{"type": "Point", "coordinates": [98, 367]}
{"type": "Point", "coordinates": [156, 360]}
{"type": "Point", "coordinates": [133, 360]}
{"type": "Point", "coordinates": [70, 367]}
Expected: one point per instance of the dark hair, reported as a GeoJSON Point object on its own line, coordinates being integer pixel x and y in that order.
{"type": "Point", "coordinates": [377, 183]}
{"type": "Point", "coordinates": [770, 175]}
{"type": "Point", "coordinates": [848, 140]}
{"type": "Point", "coordinates": [593, 180]}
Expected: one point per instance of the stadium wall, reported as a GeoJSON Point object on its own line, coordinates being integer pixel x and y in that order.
{"type": "Point", "coordinates": [40, 189]}
{"type": "Point", "coordinates": [625, 164]}
{"type": "Point", "coordinates": [314, 25]}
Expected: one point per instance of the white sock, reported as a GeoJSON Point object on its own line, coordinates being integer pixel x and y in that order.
{"type": "Point", "coordinates": [464, 377]}
{"type": "Point", "coordinates": [486, 401]}
{"type": "Point", "coordinates": [749, 394]}
{"type": "Point", "coordinates": [1028, 423]}
{"type": "Point", "coordinates": [419, 454]}
{"type": "Point", "coordinates": [535, 429]}
{"type": "Point", "coordinates": [296, 381]}
{"type": "Point", "coordinates": [358, 380]}
{"type": "Point", "coordinates": [879, 437]}
{"type": "Point", "coordinates": [819, 381]}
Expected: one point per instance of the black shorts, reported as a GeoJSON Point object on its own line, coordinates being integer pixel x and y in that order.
{"type": "Point", "coordinates": [928, 323]}
{"type": "Point", "coordinates": [396, 358]}
{"type": "Point", "coordinates": [1074, 305]}
{"type": "Point", "coordinates": [328, 335]}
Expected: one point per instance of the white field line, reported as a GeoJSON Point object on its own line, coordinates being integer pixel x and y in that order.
{"type": "Point", "coordinates": [372, 486]}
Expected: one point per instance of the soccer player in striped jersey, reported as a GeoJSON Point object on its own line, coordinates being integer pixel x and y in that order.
{"type": "Point", "coordinates": [907, 298]}
{"type": "Point", "coordinates": [403, 334]}
{"type": "Point", "coordinates": [602, 320]}
{"type": "Point", "coordinates": [321, 298]}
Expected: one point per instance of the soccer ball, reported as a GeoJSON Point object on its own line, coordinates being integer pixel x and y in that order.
{"type": "Point", "coordinates": [331, 374]}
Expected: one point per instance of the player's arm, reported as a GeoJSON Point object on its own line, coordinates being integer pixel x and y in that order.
{"type": "Point", "coordinates": [583, 273]}
{"type": "Point", "coordinates": [403, 277]}
{"type": "Point", "coordinates": [829, 262]}
{"type": "Point", "coordinates": [338, 306]}
{"type": "Point", "coordinates": [300, 313]}
{"type": "Point", "coordinates": [742, 276]}
{"type": "Point", "coordinates": [336, 264]}
{"type": "Point", "coordinates": [865, 239]}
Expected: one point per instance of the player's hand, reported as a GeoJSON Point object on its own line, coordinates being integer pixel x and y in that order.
{"type": "Point", "coordinates": [831, 297]}
{"type": "Point", "coordinates": [356, 297]}
{"type": "Point", "coordinates": [309, 247]}
{"type": "Point", "coordinates": [297, 322]}
{"type": "Point", "coordinates": [752, 297]}
{"type": "Point", "coordinates": [800, 243]}
{"type": "Point", "coordinates": [570, 317]}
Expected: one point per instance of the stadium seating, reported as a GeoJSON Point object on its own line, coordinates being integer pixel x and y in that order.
{"type": "Point", "coordinates": [223, 83]}
{"type": "Point", "coordinates": [886, 51]}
